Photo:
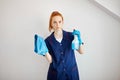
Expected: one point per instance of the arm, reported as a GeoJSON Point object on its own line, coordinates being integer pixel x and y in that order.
{"type": "Point", "coordinates": [41, 48]}
{"type": "Point", "coordinates": [48, 57]}
{"type": "Point", "coordinates": [81, 50]}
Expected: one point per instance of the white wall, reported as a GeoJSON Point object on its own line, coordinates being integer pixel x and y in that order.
{"type": "Point", "coordinates": [21, 19]}
{"type": "Point", "coordinates": [112, 7]}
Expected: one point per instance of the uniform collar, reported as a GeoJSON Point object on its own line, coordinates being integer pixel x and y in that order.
{"type": "Point", "coordinates": [53, 38]}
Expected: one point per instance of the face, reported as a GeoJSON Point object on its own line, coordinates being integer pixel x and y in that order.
{"type": "Point", "coordinates": [57, 23]}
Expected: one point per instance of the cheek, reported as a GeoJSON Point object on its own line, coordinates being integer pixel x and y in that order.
{"type": "Point", "coordinates": [53, 24]}
{"type": "Point", "coordinates": [61, 24]}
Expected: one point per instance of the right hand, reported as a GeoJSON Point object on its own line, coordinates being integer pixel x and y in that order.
{"type": "Point", "coordinates": [40, 45]}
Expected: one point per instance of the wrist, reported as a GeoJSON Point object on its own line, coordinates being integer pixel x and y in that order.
{"type": "Point", "coordinates": [48, 57]}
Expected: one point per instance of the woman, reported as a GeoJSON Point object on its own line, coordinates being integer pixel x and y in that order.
{"type": "Point", "coordinates": [58, 50]}
{"type": "Point", "coordinates": [60, 54]}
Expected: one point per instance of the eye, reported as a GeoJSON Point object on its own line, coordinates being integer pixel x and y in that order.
{"type": "Point", "coordinates": [54, 22]}
{"type": "Point", "coordinates": [60, 21]}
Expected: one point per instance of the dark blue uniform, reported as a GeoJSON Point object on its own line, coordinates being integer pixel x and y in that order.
{"type": "Point", "coordinates": [63, 66]}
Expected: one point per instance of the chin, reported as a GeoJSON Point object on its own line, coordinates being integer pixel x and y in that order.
{"type": "Point", "coordinates": [59, 29]}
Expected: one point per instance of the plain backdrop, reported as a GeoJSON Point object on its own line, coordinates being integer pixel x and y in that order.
{"type": "Point", "coordinates": [21, 19]}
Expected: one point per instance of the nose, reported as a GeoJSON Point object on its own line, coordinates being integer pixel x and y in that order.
{"type": "Point", "coordinates": [57, 24]}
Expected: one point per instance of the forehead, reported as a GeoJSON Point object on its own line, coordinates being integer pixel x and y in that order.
{"type": "Point", "coordinates": [55, 18]}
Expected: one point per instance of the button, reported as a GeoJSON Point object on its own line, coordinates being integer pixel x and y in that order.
{"type": "Point", "coordinates": [63, 61]}
{"type": "Point", "coordinates": [60, 44]}
{"type": "Point", "coordinates": [61, 52]}
{"type": "Point", "coordinates": [64, 69]}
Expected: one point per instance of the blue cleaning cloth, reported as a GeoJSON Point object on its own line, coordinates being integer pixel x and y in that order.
{"type": "Point", "coordinates": [40, 45]}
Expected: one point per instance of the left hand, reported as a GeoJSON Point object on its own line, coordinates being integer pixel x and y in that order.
{"type": "Point", "coordinates": [76, 32]}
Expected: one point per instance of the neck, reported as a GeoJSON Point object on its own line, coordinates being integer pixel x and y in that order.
{"type": "Point", "coordinates": [58, 34]}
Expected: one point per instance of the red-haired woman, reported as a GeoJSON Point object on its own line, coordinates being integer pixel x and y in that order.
{"type": "Point", "coordinates": [60, 54]}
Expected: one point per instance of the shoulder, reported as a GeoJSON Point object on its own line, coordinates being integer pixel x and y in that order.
{"type": "Point", "coordinates": [68, 34]}
{"type": "Point", "coordinates": [49, 37]}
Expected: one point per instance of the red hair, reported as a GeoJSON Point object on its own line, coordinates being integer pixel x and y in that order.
{"type": "Point", "coordinates": [54, 13]}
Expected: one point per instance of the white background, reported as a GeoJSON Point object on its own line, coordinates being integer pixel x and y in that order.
{"type": "Point", "coordinates": [21, 19]}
